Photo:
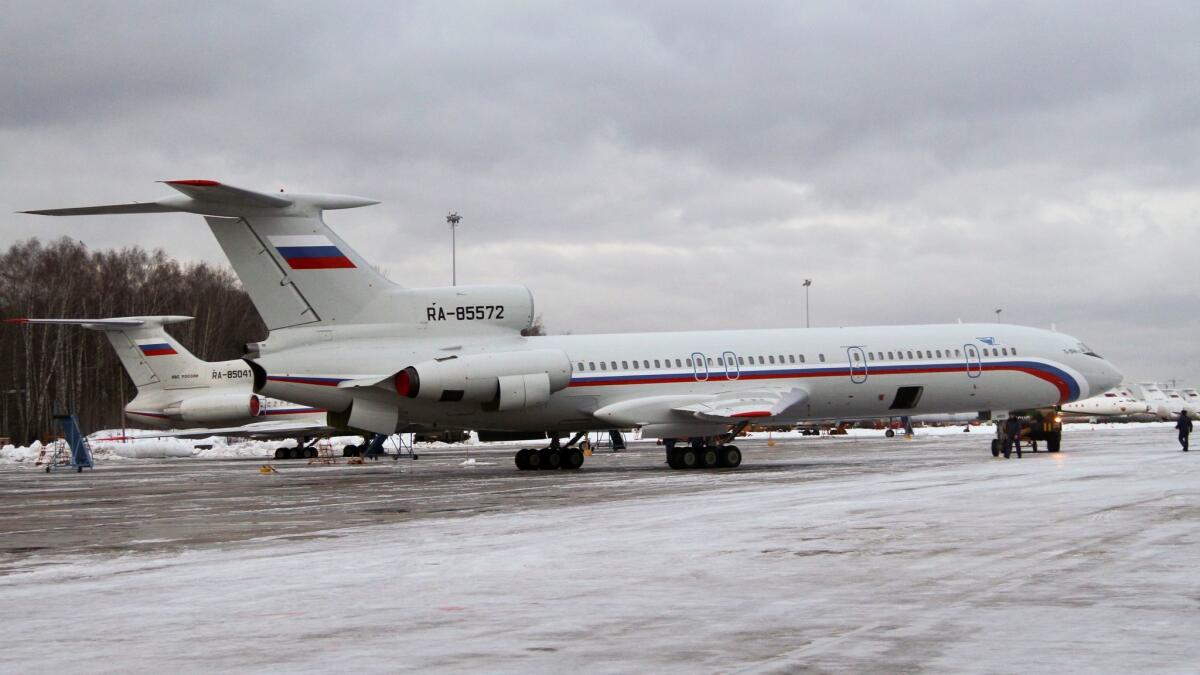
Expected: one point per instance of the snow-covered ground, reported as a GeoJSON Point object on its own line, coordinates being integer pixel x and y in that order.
{"type": "Point", "coordinates": [1083, 561]}
{"type": "Point", "coordinates": [221, 447]}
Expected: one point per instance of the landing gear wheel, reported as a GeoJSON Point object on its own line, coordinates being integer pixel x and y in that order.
{"type": "Point", "coordinates": [995, 447]}
{"type": "Point", "coordinates": [572, 458]}
{"type": "Point", "coordinates": [688, 458]}
{"type": "Point", "coordinates": [310, 453]}
{"type": "Point", "coordinates": [533, 459]}
{"type": "Point", "coordinates": [281, 453]}
{"type": "Point", "coordinates": [731, 457]}
{"type": "Point", "coordinates": [889, 433]}
{"type": "Point", "coordinates": [1007, 451]}
{"type": "Point", "coordinates": [522, 459]}
{"type": "Point", "coordinates": [672, 459]}
{"type": "Point", "coordinates": [296, 453]}
{"type": "Point", "coordinates": [1054, 442]}
{"type": "Point", "coordinates": [350, 451]}
{"type": "Point", "coordinates": [708, 457]}
{"type": "Point", "coordinates": [551, 458]}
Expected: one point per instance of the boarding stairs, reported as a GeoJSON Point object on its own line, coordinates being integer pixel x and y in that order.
{"type": "Point", "coordinates": [72, 450]}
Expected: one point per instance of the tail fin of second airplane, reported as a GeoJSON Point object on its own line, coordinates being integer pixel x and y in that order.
{"type": "Point", "coordinates": [149, 354]}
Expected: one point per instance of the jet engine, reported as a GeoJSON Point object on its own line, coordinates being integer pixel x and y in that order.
{"type": "Point", "coordinates": [501, 381]}
{"type": "Point", "coordinates": [215, 408]}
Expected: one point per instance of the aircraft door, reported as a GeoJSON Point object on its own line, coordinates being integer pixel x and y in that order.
{"type": "Point", "coordinates": [974, 363]}
{"type": "Point", "coordinates": [699, 367]}
{"type": "Point", "coordinates": [858, 364]}
{"type": "Point", "coordinates": [732, 371]}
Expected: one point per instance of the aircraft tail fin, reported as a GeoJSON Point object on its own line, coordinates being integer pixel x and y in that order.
{"type": "Point", "coordinates": [296, 270]}
{"type": "Point", "coordinates": [149, 354]}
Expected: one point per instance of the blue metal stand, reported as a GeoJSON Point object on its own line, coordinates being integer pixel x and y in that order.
{"type": "Point", "coordinates": [81, 452]}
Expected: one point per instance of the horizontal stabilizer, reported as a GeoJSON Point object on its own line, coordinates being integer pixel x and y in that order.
{"type": "Point", "coordinates": [136, 207]}
{"type": "Point", "coordinates": [116, 323]}
{"type": "Point", "coordinates": [218, 193]}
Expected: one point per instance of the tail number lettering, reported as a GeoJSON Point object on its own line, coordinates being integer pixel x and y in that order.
{"type": "Point", "coordinates": [465, 313]}
{"type": "Point", "coordinates": [231, 374]}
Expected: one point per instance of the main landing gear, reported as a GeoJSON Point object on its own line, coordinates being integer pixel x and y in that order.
{"type": "Point", "coordinates": [554, 457]}
{"type": "Point", "coordinates": [698, 454]}
{"type": "Point", "coordinates": [305, 448]}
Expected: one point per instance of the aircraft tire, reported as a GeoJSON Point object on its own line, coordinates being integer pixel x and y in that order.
{"type": "Point", "coordinates": [281, 453]}
{"type": "Point", "coordinates": [533, 459]}
{"type": "Point", "coordinates": [551, 458]}
{"type": "Point", "coordinates": [995, 447]}
{"type": "Point", "coordinates": [889, 433]}
{"type": "Point", "coordinates": [708, 457]}
{"type": "Point", "coordinates": [731, 457]}
{"type": "Point", "coordinates": [673, 458]}
{"type": "Point", "coordinates": [295, 453]}
{"type": "Point", "coordinates": [1054, 442]}
{"type": "Point", "coordinates": [522, 459]}
{"type": "Point", "coordinates": [310, 453]}
{"type": "Point", "coordinates": [572, 459]}
{"type": "Point", "coordinates": [688, 458]}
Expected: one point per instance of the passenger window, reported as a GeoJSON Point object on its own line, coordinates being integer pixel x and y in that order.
{"type": "Point", "coordinates": [801, 358]}
{"type": "Point", "coordinates": [1004, 351]}
{"type": "Point", "coordinates": [679, 363]}
{"type": "Point", "coordinates": [762, 361]}
{"type": "Point", "coordinates": [710, 361]}
{"type": "Point", "coordinates": [781, 358]}
{"type": "Point", "coordinates": [591, 365]}
{"type": "Point", "coordinates": [656, 362]}
{"type": "Point", "coordinates": [939, 353]}
{"type": "Point", "coordinates": [635, 365]}
{"type": "Point", "coordinates": [791, 358]}
{"type": "Point", "coordinates": [910, 354]}
{"type": "Point", "coordinates": [689, 362]}
{"type": "Point", "coordinates": [890, 357]}
{"type": "Point", "coordinates": [956, 353]}
{"type": "Point", "coordinates": [821, 357]}
{"type": "Point", "coordinates": [646, 363]}
{"type": "Point", "coordinates": [772, 358]}
{"type": "Point", "coordinates": [1014, 351]}
{"type": "Point", "coordinates": [580, 366]}
{"type": "Point", "coordinates": [741, 361]}
{"type": "Point", "coordinates": [614, 364]}
{"type": "Point", "coordinates": [624, 365]}
{"type": "Point", "coordinates": [603, 366]}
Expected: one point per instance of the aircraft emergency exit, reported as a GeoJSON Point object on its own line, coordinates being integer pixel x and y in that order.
{"type": "Point", "coordinates": [381, 357]}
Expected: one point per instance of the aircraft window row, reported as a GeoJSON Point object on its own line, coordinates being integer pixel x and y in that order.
{"type": "Point", "coordinates": [783, 359]}
{"type": "Point", "coordinates": [659, 364]}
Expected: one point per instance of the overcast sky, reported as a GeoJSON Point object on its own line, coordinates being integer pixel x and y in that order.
{"type": "Point", "coordinates": [658, 166]}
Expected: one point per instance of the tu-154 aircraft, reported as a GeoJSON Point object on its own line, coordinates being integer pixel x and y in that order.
{"type": "Point", "coordinates": [381, 357]}
{"type": "Point", "coordinates": [175, 388]}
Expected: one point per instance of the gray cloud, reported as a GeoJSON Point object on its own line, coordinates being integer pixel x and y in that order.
{"type": "Point", "coordinates": [677, 165]}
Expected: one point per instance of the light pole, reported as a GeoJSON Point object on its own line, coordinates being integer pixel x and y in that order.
{"type": "Point", "coordinates": [807, 285]}
{"type": "Point", "coordinates": [453, 218]}
{"type": "Point", "coordinates": [998, 310]}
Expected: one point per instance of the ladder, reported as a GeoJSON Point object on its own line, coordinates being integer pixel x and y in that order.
{"type": "Point", "coordinates": [80, 452]}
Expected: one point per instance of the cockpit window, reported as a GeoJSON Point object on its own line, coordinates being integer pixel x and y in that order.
{"type": "Point", "coordinates": [1087, 351]}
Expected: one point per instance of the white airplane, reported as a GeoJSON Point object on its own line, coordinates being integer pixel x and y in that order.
{"type": "Point", "coordinates": [1155, 397]}
{"type": "Point", "coordinates": [1191, 399]}
{"type": "Point", "coordinates": [1116, 402]}
{"type": "Point", "coordinates": [1176, 403]}
{"type": "Point", "coordinates": [174, 388]}
{"type": "Point", "coordinates": [380, 357]}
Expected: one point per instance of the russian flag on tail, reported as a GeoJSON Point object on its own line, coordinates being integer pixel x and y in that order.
{"type": "Point", "coordinates": [310, 252]}
{"type": "Point", "coordinates": [156, 348]}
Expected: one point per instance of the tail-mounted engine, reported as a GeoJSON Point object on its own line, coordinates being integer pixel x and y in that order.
{"type": "Point", "coordinates": [215, 408]}
{"type": "Point", "coordinates": [500, 381]}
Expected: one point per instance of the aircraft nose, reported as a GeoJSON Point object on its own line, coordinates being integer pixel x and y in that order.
{"type": "Point", "coordinates": [1103, 376]}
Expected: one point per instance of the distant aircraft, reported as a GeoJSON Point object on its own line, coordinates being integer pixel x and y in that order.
{"type": "Point", "coordinates": [381, 357]}
{"type": "Point", "coordinates": [1116, 402]}
{"type": "Point", "coordinates": [175, 389]}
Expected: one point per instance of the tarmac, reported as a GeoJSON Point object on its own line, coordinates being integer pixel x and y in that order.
{"type": "Point", "coordinates": [817, 554]}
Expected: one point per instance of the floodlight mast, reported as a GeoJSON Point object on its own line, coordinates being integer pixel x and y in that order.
{"type": "Point", "coordinates": [453, 218]}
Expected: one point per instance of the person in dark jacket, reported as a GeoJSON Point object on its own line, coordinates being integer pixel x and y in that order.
{"type": "Point", "coordinates": [1012, 435]}
{"type": "Point", "coordinates": [1184, 425]}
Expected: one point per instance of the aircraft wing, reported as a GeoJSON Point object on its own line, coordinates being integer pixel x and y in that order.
{"type": "Point", "coordinates": [739, 406]}
{"type": "Point", "coordinates": [728, 407]}
{"type": "Point", "coordinates": [264, 430]}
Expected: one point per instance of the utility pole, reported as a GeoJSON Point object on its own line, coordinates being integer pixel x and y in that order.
{"type": "Point", "coordinates": [807, 320]}
{"type": "Point", "coordinates": [998, 310]}
{"type": "Point", "coordinates": [453, 218]}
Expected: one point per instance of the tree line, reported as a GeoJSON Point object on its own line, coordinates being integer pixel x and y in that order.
{"type": "Point", "coordinates": [41, 366]}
